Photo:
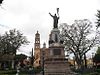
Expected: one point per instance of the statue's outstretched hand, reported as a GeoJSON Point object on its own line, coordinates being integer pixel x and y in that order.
{"type": "Point", "coordinates": [49, 12]}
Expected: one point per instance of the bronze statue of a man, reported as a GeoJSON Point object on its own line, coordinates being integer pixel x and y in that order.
{"type": "Point", "coordinates": [55, 18]}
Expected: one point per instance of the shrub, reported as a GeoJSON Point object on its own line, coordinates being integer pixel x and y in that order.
{"type": "Point", "coordinates": [7, 72]}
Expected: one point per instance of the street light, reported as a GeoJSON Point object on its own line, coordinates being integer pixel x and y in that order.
{"type": "Point", "coordinates": [32, 58]}
{"type": "Point", "coordinates": [74, 61]}
{"type": "Point", "coordinates": [43, 65]}
{"type": "Point", "coordinates": [31, 69]}
{"type": "Point", "coordinates": [92, 58]}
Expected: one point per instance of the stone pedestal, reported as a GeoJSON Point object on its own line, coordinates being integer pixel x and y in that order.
{"type": "Point", "coordinates": [57, 67]}
{"type": "Point", "coordinates": [55, 62]}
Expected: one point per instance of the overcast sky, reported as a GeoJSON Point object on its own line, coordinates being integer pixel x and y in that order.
{"type": "Point", "coordinates": [28, 16]}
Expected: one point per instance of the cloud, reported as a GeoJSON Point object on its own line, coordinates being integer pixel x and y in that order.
{"type": "Point", "coordinates": [32, 15]}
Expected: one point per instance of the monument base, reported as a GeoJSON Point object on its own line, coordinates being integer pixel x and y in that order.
{"type": "Point", "coordinates": [57, 67]}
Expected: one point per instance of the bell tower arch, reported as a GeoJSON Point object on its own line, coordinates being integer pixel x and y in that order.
{"type": "Point", "coordinates": [37, 41]}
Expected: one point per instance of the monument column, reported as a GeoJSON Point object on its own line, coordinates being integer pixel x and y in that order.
{"type": "Point", "coordinates": [56, 63]}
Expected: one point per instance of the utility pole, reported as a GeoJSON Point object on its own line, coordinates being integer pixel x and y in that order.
{"type": "Point", "coordinates": [32, 58]}
{"type": "Point", "coordinates": [32, 63]}
{"type": "Point", "coordinates": [92, 59]}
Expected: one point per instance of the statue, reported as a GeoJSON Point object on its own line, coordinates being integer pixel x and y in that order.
{"type": "Point", "coordinates": [55, 18]}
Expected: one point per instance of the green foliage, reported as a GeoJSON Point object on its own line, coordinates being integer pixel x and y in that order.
{"type": "Point", "coordinates": [37, 69]}
{"type": "Point", "coordinates": [94, 73]}
{"type": "Point", "coordinates": [20, 57]}
{"type": "Point", "coordinates": [11, 41]}
{"type": "Point", "coordinates": [22, 72]}
{"type": "Point", "coordinates": [10, 72]}
{"type": "Point", "coordinates": [98, 51]}
{"type": "Point", "coordinates": [98, 18]}
{"type": "Point", "coordinates": [96, 58]}
{"type": "Point", "coordinates": [98, 70]}
{"type": "Point", "coordinates": [34, 71]}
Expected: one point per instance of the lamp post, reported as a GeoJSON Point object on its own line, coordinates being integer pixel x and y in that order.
{"type": "Point", "coordinates": [31, 69]}
{"type": "Point", "coordinates": [32, 58]}
{"type": "Point", "coordinates": [74, 62]}
{"type": "Point", "coordinates": [92, 59]}
{"type": "Point", "coordinates": [43, 64]}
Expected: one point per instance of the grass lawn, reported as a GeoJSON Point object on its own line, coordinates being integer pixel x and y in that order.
{"type": "Point", "coordinates": [7, 72]}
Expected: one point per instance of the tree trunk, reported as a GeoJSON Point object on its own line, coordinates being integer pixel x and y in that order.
{"type": "Point", "coordinates": [13, 64]}
{"type": "Point", "coordinates": [85, 61]}
{"type": "Point", "coordinates": [79, 62]}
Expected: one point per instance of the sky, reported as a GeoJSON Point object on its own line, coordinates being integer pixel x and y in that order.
{"type": "Point", "coordinates": [28, 16]}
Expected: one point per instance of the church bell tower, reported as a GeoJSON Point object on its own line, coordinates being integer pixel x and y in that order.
{"type": "Point", "coordinates": [37, 50]}
{"type": "Point", "coordinates": [37, 41]}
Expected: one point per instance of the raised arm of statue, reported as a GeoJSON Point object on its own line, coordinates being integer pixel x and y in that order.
{"type": "Point", "coordinates": [51, 15]}
{"type": "Point", "coordinates": [55, 19]}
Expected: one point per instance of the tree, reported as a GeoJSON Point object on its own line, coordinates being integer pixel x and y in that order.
{"type": "Point", "coordinates": [98, 51]}
{"type": "Point", "coordinates": [19, 58]}
{"type": "Point", "coordinates": [11, 41]}
{"type": "Point", "coordinates": [79, 38]}
{"type": "Point", "coordinates": [96, 58]}
{"type": "Point", "coordinates": [1, 1]}
{"type": "Point", "coordinates": [98, 18]}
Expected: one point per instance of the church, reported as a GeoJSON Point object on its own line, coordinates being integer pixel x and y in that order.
{"type": "Point", "coordinates": [51, 59]}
